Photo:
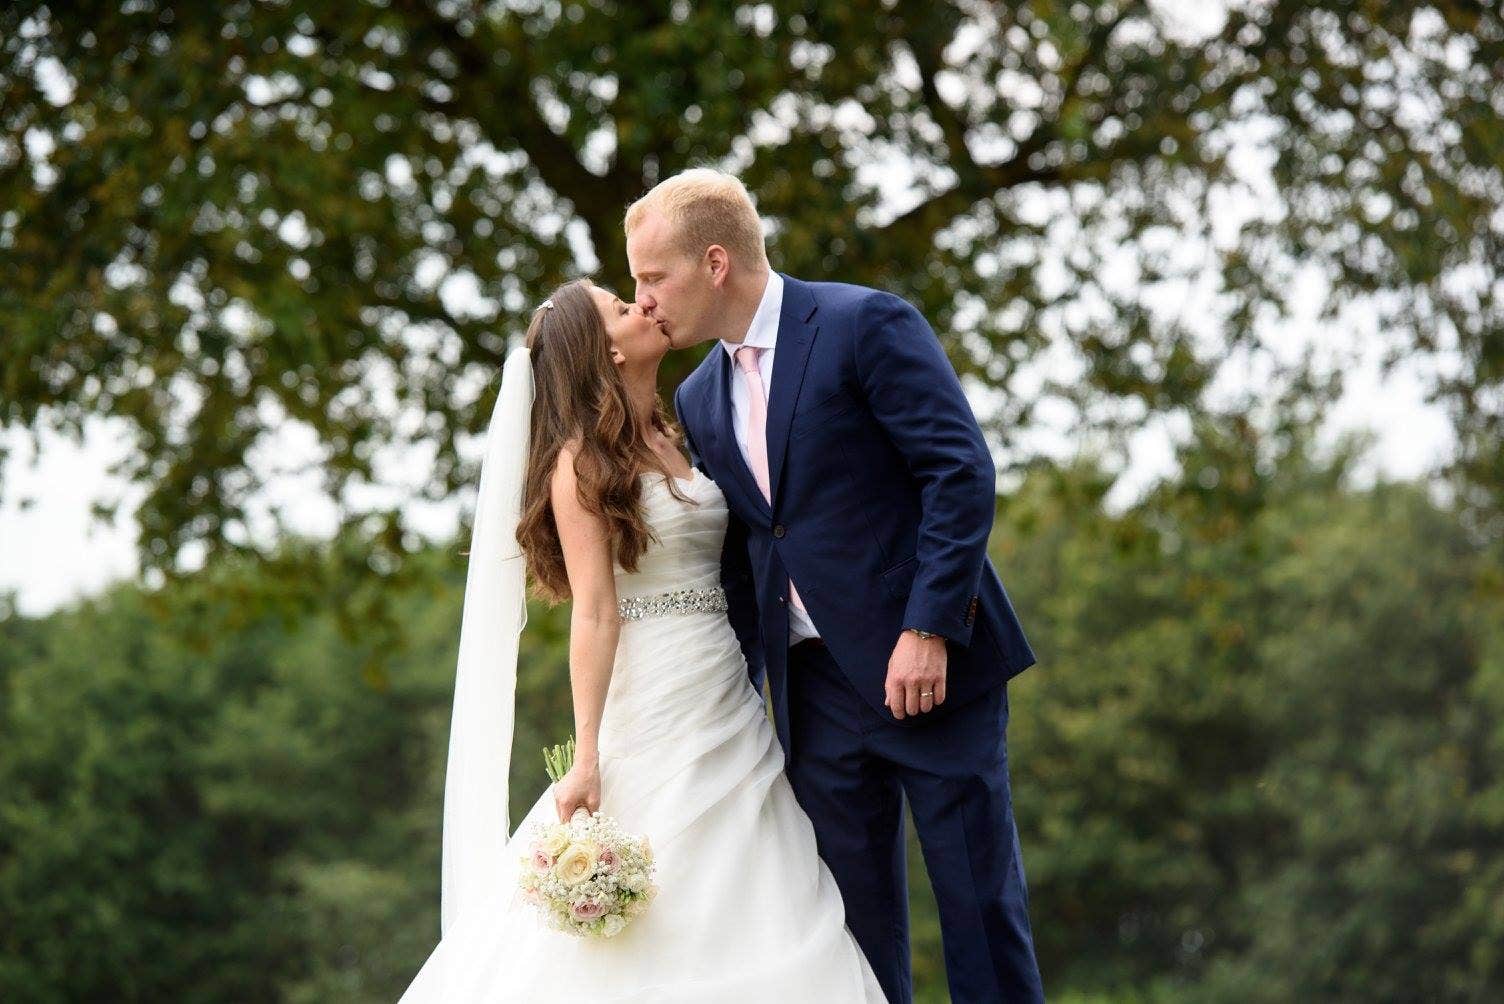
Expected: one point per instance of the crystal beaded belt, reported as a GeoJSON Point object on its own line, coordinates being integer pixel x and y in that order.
{"type": "Point", "coordinates": [680, 601]}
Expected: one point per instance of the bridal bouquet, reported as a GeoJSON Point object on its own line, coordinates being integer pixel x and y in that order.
{"type": "Point", "coordinates": [587, 876]}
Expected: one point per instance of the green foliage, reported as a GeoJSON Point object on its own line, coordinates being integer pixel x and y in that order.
{"type": "Point", "coordinates": [203, 807]}
{"type": "Point", "coordinates": [1261, 759]}
{"type": "Point", "coordinates": [219, 219]}
{"type": "Point", "coordinates": [1389, 784]}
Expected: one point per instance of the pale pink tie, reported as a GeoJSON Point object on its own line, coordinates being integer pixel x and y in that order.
{"type": "Point", "coordinates": [757, 432]}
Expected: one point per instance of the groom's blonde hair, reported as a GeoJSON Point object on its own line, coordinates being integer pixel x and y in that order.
{"type": "Point", "coordinates": [704, 206]}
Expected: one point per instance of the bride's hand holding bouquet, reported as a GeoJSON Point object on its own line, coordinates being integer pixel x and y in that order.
{"type": "Point", "coordinates": [584, 873]}
{"type": "Point", "coordinates": [578, 786]}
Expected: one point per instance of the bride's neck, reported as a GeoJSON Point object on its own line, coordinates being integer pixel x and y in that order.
{"type": "Point", "coordinates": [642, 393]}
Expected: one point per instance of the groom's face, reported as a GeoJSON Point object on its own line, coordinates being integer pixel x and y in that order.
{"type": "Point", "coordinates": [672, 288]}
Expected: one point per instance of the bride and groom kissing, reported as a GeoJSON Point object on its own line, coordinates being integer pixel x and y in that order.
{"type": "Point", "coordinates": [826, 536]}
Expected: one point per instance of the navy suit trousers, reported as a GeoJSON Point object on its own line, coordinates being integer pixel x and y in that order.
{"type": "Point", "coordinates": [852, 775]}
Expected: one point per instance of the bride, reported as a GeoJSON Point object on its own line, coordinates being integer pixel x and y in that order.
{"type": "Point", "coordinates": [583, 484]}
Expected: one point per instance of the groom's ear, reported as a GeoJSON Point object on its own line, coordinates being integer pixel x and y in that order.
{"type": "Point", "coordinates": [719, 264]}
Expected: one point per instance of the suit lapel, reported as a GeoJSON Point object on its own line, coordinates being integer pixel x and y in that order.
{"type": "Point", "coordinates": [795, 336]}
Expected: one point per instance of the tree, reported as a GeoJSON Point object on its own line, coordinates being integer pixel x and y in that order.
{"type": "Point", "coordinates": [1260, 759]}
{"type": "Point", "coordinates": [202, 803]}
{"type": "Point", "coordinates": [225, 219]}
{"type": "Point", "coordinates": [1384, 880]}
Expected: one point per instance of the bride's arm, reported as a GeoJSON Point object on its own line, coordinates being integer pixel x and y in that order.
{"type": "Point", "coordinates": [594, 627]}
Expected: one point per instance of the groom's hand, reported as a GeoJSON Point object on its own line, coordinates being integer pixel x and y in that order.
{"type": "Point", "coordinates": [916, 675]}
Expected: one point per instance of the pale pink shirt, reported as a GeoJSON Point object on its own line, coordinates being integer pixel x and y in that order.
{"type": "Point", "coordinates": [762, 333]}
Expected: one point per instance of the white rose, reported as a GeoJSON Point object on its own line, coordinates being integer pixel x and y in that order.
{"type": "Point", "coordinates": [554, 841]}
{"type": "Point", "coordinates": [614, 925]}
{"type": "Point", "coordinates": [576, 864]}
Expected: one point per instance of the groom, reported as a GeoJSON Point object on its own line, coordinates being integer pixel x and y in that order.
{"type": "Point", "coordinates": [861, 495]}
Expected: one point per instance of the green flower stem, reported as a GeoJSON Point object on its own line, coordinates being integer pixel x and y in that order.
{"type": "Point", "coordinates": [557, 760]}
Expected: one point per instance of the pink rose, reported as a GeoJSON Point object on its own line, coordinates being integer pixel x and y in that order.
{"type": "Point", "coordinates": [542, 862]}
{"type": "Point", "coordinates": [609, 860]}
{"type": "Point", "coordinates": [588, 910]}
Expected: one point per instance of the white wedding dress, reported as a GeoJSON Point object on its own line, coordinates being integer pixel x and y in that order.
{"type": "Point", "coordinates": [747, 911]}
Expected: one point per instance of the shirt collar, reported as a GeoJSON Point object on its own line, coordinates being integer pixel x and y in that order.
{"type": "Point", "coordinates": [762, 333]}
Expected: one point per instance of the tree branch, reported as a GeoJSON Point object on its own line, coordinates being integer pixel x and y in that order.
{"type": "Point", "coordinates": [976, 181]}
{"type": "Point", "coordinates": [519, 119]}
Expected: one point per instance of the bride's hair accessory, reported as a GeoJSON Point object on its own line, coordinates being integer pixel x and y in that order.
{"type": "Point", "coordinates": [546, 304]}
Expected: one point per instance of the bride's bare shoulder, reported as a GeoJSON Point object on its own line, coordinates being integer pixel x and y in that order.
{"type": "Point", "coordinates": [584, 539]}
{"type": "Point", "coordinates": [564, 463]}
{"type": "Point", "coordinates": [564, 483]}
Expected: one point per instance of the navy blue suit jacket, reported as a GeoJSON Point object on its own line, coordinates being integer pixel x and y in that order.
{"type": "Point", "coordinates": [884, 494]}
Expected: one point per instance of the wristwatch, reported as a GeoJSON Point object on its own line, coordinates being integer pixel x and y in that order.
{"type": "Point", "coordinates": [922, 633]}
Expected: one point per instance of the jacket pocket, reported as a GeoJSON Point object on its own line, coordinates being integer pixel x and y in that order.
{"type": "Point", "coordinates": [836, 403]}
{"type": "Point", "coordinates": [899, 579]}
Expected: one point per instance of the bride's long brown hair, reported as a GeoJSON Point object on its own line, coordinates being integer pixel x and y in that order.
{"type": "Point", "coordinates": [581, 400]}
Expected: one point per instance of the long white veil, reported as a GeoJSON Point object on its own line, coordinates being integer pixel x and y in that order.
{"type": "Point", "coordinates": [476, 823]}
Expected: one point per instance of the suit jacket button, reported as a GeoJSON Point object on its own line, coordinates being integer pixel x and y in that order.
{"type": "Point", "coordinates": [779, 531]}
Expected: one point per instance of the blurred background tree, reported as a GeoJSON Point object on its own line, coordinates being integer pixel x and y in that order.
{"type": "Point", "coordinates": [223, 220]}
{"type": "Point", "coordinates": [1263, 760]}
{"type": "Point", "coordinates": [1261, 757]}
